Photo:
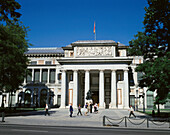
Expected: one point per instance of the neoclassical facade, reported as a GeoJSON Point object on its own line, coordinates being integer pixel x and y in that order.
{"type": "Point", "coordinates": [61, 76]}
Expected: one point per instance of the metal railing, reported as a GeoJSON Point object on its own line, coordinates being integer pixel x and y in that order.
{"type": "Point", "coordinates": [117, 122]}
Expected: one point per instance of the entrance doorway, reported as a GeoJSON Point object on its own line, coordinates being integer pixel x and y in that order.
{"type": "Point", "coordinates": [95, 97]}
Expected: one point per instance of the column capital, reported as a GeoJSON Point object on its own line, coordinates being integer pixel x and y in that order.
{"type": "Point", "coordinates": [63, 70]}
{"type": "Point", "coordinates": [101, 70]}
{"type": "Point", "coordinates": [75, 70]}
{"type": "Point", "coordinates": [113, 70]}
{"type": "Point", "coordinates": [126, 70]}
{"type": "Point", "coordinates": [87, 70]}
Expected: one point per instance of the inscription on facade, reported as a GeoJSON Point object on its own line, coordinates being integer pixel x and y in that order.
{"type": "Point", "coordinates": [94, 51]}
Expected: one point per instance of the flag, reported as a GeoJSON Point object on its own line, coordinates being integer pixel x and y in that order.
{"type": "Point", "coordinates": [94, 31]}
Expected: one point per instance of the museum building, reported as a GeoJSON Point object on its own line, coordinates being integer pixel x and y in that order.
{"type": "Point", "coordinates": [61, 76]}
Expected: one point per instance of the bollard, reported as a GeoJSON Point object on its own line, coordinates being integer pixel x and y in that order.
{"type": "Point", "coordinates": [104, 120]}
{"type": "Point", "coordinates": [147, 122]}
{"type": "Point", "coordinates": [125, 122]}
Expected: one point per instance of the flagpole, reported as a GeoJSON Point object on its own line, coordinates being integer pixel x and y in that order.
{"type": "Point", "coordinates": [94, 31]}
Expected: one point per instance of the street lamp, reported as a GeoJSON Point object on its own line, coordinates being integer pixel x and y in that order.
{"type": "Point", "coordinates": [136, 100]}
{"type": "Point", "coordinates": [143, 102]}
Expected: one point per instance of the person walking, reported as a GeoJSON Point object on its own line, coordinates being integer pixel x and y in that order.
{"type": "Point", "coordinates": [71, 110]}
{"type": "Point", "coordinates": [79, 110]}
{"type": "Point", "coordinates": [46, 110]}
{"type": "Point", "coordinates": [131, 111]}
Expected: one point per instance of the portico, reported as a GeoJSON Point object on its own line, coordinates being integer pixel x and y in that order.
{"type": "Point", "coordinates": [75, 91]}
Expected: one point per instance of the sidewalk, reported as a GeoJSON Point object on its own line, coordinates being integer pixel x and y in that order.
{"type": "Point", "coordinates": [60, 117]}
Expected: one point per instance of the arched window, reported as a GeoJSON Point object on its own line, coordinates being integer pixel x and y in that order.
{"type": "Point", "coordinates": [43, 97]}
{"type": "Point", "coordinates": [27, 97]}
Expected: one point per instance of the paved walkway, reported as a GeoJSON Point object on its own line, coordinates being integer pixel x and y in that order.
{"type": "Point", "coordinates": [60, 117]}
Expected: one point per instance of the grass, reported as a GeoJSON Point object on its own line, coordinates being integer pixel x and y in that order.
{"type": "Point", "coordinates": [164, 113]}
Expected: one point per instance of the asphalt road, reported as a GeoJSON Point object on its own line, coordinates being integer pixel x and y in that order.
{"type": "Point", "coordinates": [56, 130]}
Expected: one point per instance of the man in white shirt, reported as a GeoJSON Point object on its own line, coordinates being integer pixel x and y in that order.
{"type": "Point", "coordinates": [131, 111]}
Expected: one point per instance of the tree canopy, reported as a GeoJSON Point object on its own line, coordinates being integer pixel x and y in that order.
{"type": "Point", "coordinates": [13, 44]}
{"type": "Point", "coordinates": [152, 44]}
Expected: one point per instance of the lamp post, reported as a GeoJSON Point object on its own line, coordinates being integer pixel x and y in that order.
{"type": "Point", "coordinates": [136, 100]}
{"type": "Point", "coordinates": [143, 102]}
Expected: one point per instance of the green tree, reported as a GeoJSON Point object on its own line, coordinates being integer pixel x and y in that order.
{"type": "Point", "coordinates": [152, 44]}
{"type": "Point", "coordinates": [13, 44]}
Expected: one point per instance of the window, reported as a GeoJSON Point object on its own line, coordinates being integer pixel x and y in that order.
{"type": "Point", "coordinates": [29, 76]}
{"type": "Point", "coordinates": [120, 76]}
{"type": "Point", "coordinates": [44, 75]}
{"type": "Point", "coordinates": [52, 76]}
{"type": "Point", "coordinates": [37, 76]}
{"type": "Point", "coordinates": [71, 54]}
{"type": "Point", "coordinates": [71, 77]}
{"type": "Point", "coordinates": [59, 76]}
{"type": "Point", "coordinates": [33, 63]}
{"type": "Point", "coordinates": [47, 62]}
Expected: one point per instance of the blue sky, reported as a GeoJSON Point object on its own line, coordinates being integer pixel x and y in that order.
{"type": "Point", "coordinates": [57, 23]}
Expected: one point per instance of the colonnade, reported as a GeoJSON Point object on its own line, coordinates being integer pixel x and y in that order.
{"type": "Point", "coordinates": [40, 75]}
{"type": "Point", "coordinates": [113, 103]}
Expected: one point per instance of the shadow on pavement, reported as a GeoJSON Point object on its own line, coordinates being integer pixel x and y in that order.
{"type": "Point", "coordinates": [29, 113]}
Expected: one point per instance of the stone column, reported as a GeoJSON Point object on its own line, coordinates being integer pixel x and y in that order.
{"type": "Point", "coordinates": [63, 89]}
{"type": "Point", "coordinates": [87, 84]}
{"type": "Point", "coordinates": [56, 76]}
{"type": "Point", "coordinates": [40, 74]}
{"type": "Point", "coordinates": [126, 89]}
{"type": "Point", "coordinates": [113, 89]}
{"type": "Point", "coordinates": [75, 89]}
{"type": "Point", "coordinates": [48, 76]}
{"type": "Point", "coordinates": [32, 74]}
{"type": "Point", "coordinates": [101, 89]}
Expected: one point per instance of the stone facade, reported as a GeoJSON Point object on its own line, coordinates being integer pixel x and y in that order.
{"type": "Point", "coordinates": [60, 76]}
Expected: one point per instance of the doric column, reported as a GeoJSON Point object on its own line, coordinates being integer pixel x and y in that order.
{"type": "Point", "coordinates": [75, 89]}
{"type": "Point", "coordinates": [87, 84]}
{"type": "Point", "coordinates": [101, 89]}
{"type": "Point", "coordinates": [113, 89]}
{"type": "Point", "coordinates": [63, 89]}
{"type": "Point", "coordinates": [32, 74]}
{"type": "Point", "coordinates": [56, 76]}
{"type": "Point", "coordinates": [126, 89]}
{"type": "Point", "coordinates": [40, 74]}
{"type": "Point", "coordinates": [48, 76]}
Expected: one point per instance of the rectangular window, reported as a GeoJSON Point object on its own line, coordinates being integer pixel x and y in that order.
{"type": "Point", "coordinates": [44, 75]}
{"type": "Point", "coordinates": [59, 76]}
{"type": "Point", "coordinates": [71, 77]}
{"type": "Point", "coordinates": [52, 76]}
{"type": "Point", "coordinates": [120, 75]}
{"type": "Point", "coordinates": [71, 54]}
{"type": "Point", "coordinates": [33, 63]}
{"type": "Point", "coordinates": [29, 76]}
{"type": "Point", "coordinates": [37, 75]}
{"type": "Point", "coordinates": [47, 62]}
